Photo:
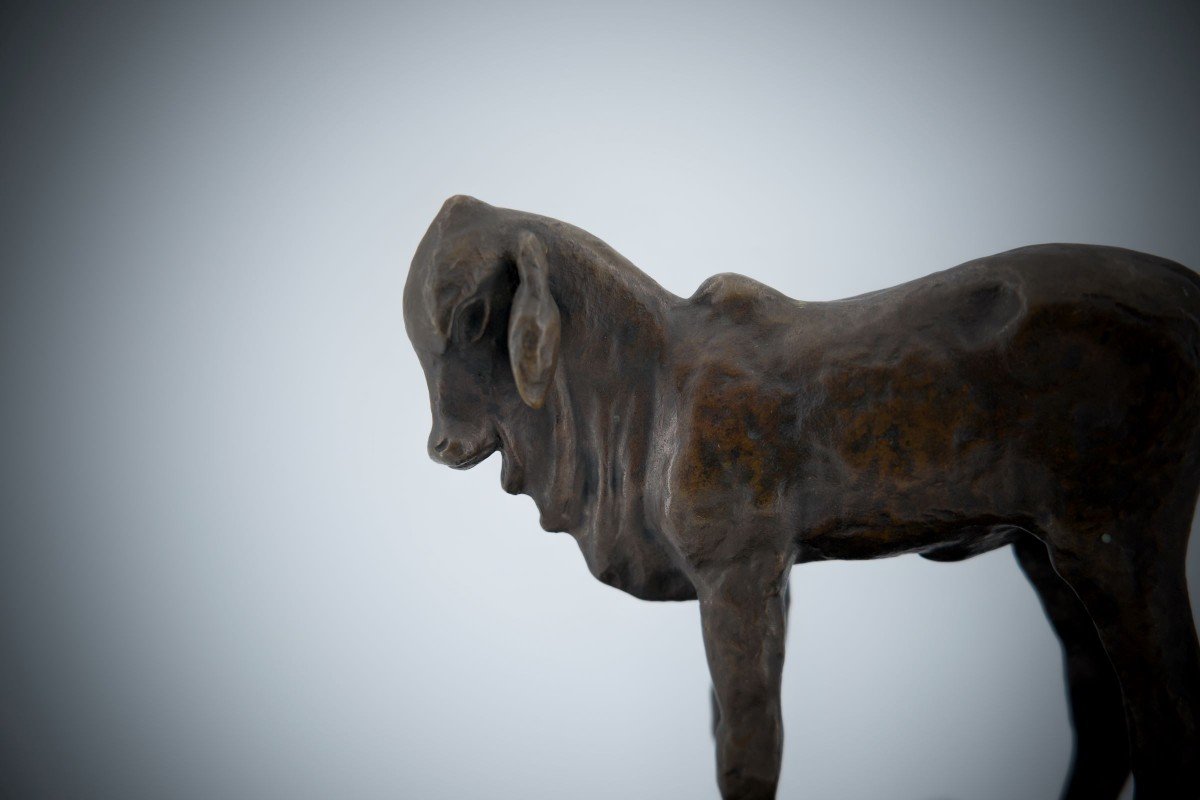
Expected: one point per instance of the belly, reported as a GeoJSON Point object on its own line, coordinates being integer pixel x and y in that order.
{"type": "Point", "coordinates": [932, 540]}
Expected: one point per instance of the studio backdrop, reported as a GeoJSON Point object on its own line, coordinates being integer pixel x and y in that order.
{"type": "Point", "coordinates": [228, 568]}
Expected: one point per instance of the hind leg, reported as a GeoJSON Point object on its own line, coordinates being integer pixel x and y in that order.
{"type": "Point", "coordinates": [1131, 580]}
{"type": "Point", "coordinates": [1100, 765]}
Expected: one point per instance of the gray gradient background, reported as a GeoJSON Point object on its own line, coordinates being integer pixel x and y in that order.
{"type": "Point", "coordinates": [228, 569]}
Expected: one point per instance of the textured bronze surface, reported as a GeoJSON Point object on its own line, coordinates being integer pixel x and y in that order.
{"type": "Point", "coordinates": [697, 448]}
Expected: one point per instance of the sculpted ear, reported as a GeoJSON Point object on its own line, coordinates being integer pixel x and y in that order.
{"type": "Point", "coordinates": [533, 323]}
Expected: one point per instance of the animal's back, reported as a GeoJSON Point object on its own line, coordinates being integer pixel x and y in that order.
{"type": "Point", "coordinates": [978, 305]}
{"type": "Point", "coordinates": [1061, 370]}
{"type": "Point", "coordinates": [1077, 354]}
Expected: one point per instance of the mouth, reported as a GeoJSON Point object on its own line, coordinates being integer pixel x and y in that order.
{"type": "Point", "coordinates": [472, 459]}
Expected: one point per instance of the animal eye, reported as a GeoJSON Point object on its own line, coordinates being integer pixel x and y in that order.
{"type": "Point", "coordinates": [473, 319]}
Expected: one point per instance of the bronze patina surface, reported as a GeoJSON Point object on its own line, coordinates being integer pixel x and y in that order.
{"type": "Point", "coordinates": [1046, 398]}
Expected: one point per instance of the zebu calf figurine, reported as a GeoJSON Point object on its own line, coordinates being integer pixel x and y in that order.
{"type": "Point", "coordinates": [1044, 398]}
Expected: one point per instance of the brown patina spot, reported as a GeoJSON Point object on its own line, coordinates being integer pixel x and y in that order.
{"type": "Point", "coordinates": [899, 422]}
{"type": "Point", "coordinates": [739, 439]}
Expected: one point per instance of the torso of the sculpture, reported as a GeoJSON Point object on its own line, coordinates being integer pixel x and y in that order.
{"type": "Point", "coordinates": [941, 416]}
{"type": "Point", "coordinates": [1047, 397]}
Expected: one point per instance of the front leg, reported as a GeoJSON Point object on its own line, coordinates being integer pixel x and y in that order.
{"type": "Point", "coordinates": [743, 611]}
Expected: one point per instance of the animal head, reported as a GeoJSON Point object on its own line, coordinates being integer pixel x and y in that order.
{"type": "Point", "coordinates": [560, 383]}
{"type": "Point", "coordinates": [480, 315]}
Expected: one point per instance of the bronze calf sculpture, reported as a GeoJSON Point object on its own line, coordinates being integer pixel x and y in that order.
{"type": "Point", "coordinates": [1046, 397]}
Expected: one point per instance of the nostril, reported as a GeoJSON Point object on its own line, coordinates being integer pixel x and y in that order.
{"type": "Point", "coordinates": [441, 446]}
